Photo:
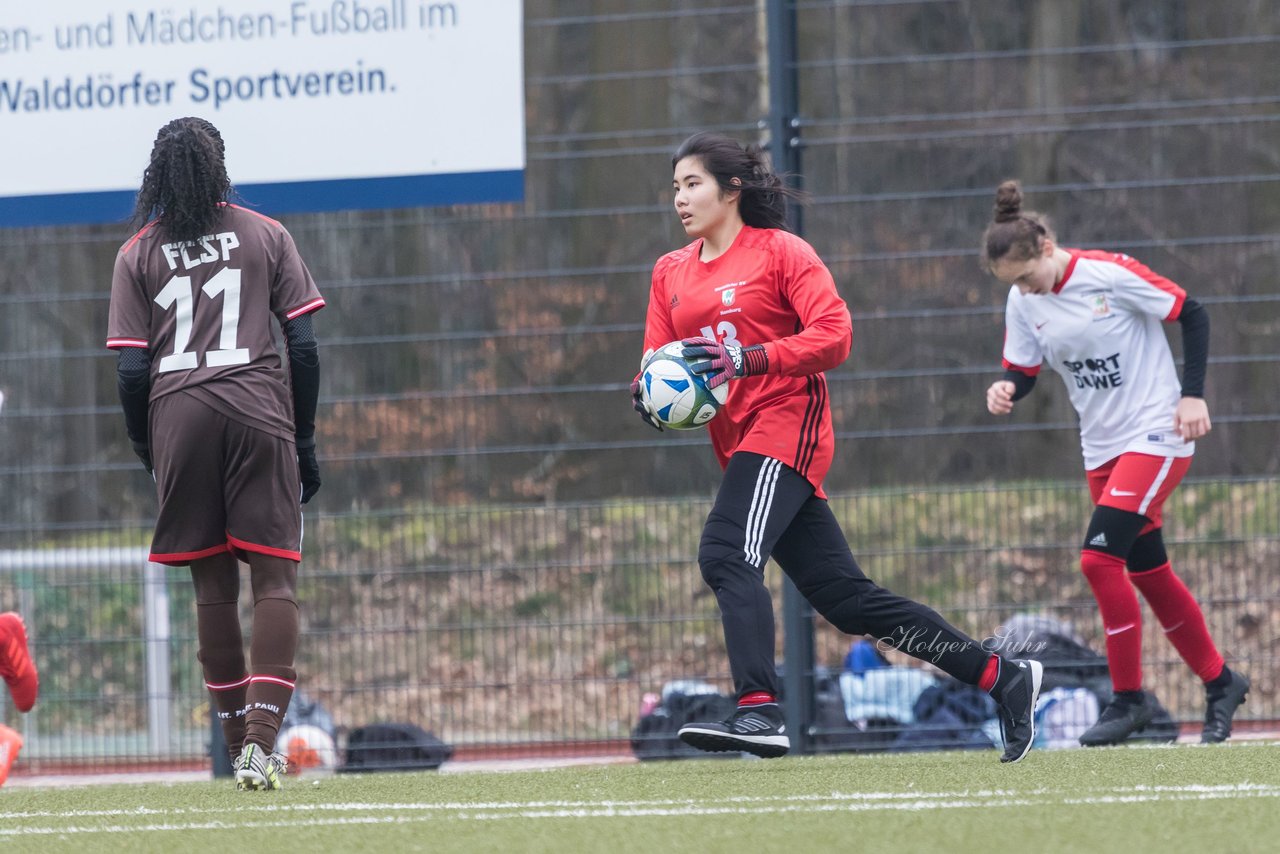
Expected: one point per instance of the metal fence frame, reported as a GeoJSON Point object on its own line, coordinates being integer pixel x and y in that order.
{"type": "Point", "coordinates": [452, 298]}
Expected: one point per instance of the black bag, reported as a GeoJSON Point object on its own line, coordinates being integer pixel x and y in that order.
{"type": "Point", "coordinates": [832, 731]}
{"type": "Point", "coordinates": [654, 736]}
{"type": "Point", "coordinates": [948, 716]}
{"type": "Point", "coordinates": [394, 747]}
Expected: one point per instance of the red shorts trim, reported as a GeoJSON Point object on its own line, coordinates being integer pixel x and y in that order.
{"type": "Point", "coordinates": [184, 558]}
{"type": "Point", "coordinates": [1137, 483]}
{"type": "Point", "coordinates": [264, 550]}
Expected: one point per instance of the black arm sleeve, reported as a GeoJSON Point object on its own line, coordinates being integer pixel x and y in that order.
{"type": "Point", "coordinates": [1022, 383]}
{"type": "Point", "coordinates": [304, 375]}
{"type": "Point", "coordinates": [133, 380]}
{"type": "Point", "coordinates": [1195, 347]}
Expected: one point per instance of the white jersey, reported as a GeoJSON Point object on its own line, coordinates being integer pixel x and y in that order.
{"type": "Point", "coordinates": [1100, 329]}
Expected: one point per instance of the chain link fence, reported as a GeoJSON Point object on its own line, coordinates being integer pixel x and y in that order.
{"type": "Point", "coordinates": [502, 553]}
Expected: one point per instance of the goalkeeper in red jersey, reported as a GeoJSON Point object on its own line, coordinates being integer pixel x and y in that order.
{"type": "Point", "coordinates": [754, 304]}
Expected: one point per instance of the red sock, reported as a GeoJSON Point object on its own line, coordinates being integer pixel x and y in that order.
{"type": "Point", "coordinates": [1181, 618]}
{"type": "Point", "coordinates": [988, 679]}
{"type": "Point", "coordinates": [756, 698]}
{"type": "Point", "coordinates": [1121, 617]}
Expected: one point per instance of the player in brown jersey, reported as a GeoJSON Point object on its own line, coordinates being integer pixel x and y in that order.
{"type": "Point", "coordinates": [226, 429]}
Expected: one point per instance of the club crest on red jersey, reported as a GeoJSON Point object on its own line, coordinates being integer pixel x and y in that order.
{"type": "Point", "coordinates": [728, 292]}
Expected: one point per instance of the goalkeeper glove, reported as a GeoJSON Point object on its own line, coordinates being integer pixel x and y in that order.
{"type": "Point", "coordinates": [308, 468]}
{"type": "Point", "coordinates": [143, 450]}
{"type": "Point", "coordinates": [723, 362]}
{"type": "Point", "coordinates": [639, 405]}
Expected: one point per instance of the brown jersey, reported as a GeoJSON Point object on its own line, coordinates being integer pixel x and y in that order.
{"type": "Point", "coordinates": [203, 311]}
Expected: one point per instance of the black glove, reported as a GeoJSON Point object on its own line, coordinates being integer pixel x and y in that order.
{"type": "Point", "coordinates": [308, 468]}
{"type": "Point", "coordinates": [638, 404]}
{"type": "Point", "coordinates": [143, 450]}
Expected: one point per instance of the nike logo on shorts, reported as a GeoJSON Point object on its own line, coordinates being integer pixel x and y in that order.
{"type": "Point", "coordinates": [1120, 493]}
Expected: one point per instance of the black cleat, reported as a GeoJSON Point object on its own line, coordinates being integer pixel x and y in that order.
{"type": "Point", "coordinates": [1222, 705]}
{"type": "Point", "coordinates": [1120, 719]}
{"type": "Point", "coordinates": [1017, 701]}
{"type": "Point", "coordinates": [754, 729]}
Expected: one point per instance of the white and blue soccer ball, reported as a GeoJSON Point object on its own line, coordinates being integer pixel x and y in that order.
{"type": "Point", "coordinates": [677, 396]}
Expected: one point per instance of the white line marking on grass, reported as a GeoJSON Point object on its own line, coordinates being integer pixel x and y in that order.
{"type": "Point", "coordinates": [279, 815]}
{"type": "Point", "coordinates": [463, 806]}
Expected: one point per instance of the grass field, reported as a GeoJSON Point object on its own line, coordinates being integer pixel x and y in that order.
{"type": "Point", "coordinates": [1128, 799]}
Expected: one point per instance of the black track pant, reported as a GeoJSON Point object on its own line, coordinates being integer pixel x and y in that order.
{"type": "Point", "coordinates": [765, 508]}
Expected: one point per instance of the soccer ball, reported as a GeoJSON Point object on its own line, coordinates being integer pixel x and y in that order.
{"type": "Point", "coordinates": [677, 396]}
{"type": "Point", "coordinates": [307, 747]}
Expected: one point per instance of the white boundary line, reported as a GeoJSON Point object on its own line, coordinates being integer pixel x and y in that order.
{"type": "Point", "coordinates": [469, 766]}
{"type": "Point", "coordinates": [292, 815]}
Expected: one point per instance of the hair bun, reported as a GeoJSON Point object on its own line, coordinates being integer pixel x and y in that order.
{"type": "Point", "coordinates": [1008, 205]}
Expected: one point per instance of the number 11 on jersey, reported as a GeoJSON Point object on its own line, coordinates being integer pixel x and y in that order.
{"type": "Point", "coordinates": [179, 293]}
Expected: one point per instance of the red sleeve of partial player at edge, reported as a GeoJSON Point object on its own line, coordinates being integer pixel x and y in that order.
{"type": "Point", "coordinates": [826, 329]}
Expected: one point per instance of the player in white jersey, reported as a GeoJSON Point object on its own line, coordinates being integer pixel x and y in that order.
{"type": "Point", "coordinates": [1095, 318]}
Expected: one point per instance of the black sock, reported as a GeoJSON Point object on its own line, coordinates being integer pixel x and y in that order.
{"type": "Point", "coordinates": [1223, 679]}
{"type": "Point", "coordinates": [1007, 673]}
{"type": "Point", "coordinates": [1132, 698]}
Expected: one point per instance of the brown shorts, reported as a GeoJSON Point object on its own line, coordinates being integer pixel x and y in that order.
{"type": "Point", "coordinates": [223, 486]}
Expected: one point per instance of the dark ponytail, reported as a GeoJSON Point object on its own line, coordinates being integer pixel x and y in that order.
{"type": "Point", "coordinates": [763, 199]}
{"type": "Point", "coordinates": [186, 180]}
{"type": "Point", "coordinates": [1013, 233]}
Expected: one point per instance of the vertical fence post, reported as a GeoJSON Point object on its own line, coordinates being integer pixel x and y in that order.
{"type": "Point", "coordinates": [155, 620]}
{"type": "Point", "coordinates": [784, 148]}
{"type": "Point", "coordinates": [218, 755]}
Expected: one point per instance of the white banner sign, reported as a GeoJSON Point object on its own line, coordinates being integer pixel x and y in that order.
{"type": "Point", "coordinates": [322, 105]}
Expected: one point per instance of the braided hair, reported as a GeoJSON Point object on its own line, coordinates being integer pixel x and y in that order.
{"type": "Point", "coordinates": [186, 181]}
{"type": "Point", "coordinates": [763, 196]}
{"type": "Point", "coordinates": [1013, 233]}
